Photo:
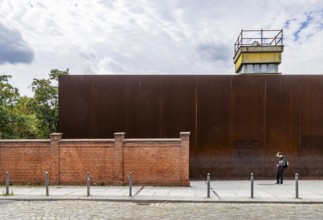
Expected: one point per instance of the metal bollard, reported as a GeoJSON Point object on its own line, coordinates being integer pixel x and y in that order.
{"type": "Point", "coordinates": [47, 183]}
{"type": "Point", "coordinates": [130, 184]}
{"type": "Point", "coordinates": [296, 185]}
{"type": "Point", "coordinates": [88, 181]}
{"type": "Point", "coordinates": [7, 183]}
{"type": "Point", "coordinates": [208, 185]}
{"type": "Point", "coordinates": [252, 179]}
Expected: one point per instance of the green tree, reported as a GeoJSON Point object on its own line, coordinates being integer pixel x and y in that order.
{"type": "Point", "coordinates": [45, 102]}
{"type": "Point", "coordinates": [26, 123]}
{"type": "Point", "coordinates": [8, 99]}
{"type": "Point", "coordinates": [16, 120]}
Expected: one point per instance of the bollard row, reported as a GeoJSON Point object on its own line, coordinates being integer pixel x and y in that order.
{"type": "Point", "coordinates": [88, 183]}
{"type": "Point", "coordinates": [252, 178]}
{"type": "Point", "coordinates": [252, 185]}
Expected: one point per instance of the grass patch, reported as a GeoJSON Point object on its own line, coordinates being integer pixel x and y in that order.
{"type": "Point", "coordinates": [10, 194]}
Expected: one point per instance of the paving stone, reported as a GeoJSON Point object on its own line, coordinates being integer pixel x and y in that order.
{"type": "Point", "coordinates": [121, 210]}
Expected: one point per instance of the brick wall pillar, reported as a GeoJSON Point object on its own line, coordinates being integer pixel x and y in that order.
{"type": "Point", "coordinates": [185, 158]}
{"type": "Point", "coordinates": [118, 157]}
{"type": "Point", "coordinates": [54, 172]}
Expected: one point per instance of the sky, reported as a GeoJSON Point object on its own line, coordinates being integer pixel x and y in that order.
{"type": "Point", "coordinates": [149, 36]}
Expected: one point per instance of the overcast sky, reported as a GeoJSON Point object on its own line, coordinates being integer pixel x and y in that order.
{"type": "Point", "coordinates": [149, 36]}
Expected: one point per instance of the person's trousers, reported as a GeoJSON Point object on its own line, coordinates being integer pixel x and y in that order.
{"type": "Point", "coordinates": [280, 175]}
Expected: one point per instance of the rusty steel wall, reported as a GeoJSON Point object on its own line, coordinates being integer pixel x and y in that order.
{"type": "Point", "coordinates": [237, 123]}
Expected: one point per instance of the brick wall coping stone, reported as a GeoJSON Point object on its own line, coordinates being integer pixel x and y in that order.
{"type": "Point", "coordinates": [90, 140]}
{"type": "Point", "coordinates": [24, 140]}
{"type": "Point", "coordinates": [152, 140]}
{"type": "Point", "coordinates": [87, 140]}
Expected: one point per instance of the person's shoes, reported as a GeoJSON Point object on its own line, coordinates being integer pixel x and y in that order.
{"type": "Point", "coordinates": [276, 183]}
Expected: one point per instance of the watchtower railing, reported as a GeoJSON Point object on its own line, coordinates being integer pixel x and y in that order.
{"type": "Point", "coordinates": [259, 38]}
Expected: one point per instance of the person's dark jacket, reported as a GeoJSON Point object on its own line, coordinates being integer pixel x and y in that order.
{"type": "Point", "coordinates": [282, 162]}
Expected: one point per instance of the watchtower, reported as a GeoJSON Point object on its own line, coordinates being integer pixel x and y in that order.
{"type": "Point", "coordinates": [258, 51]}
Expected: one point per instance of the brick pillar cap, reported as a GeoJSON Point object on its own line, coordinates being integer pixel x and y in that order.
{"type": "Point", "coordinates": [185, 133]}
{"type": "Point", "coordinates": [56, 134]}
{"type": "Point", "coordinates": [119, 133]}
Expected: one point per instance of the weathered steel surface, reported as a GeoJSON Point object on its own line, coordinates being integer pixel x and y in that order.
{"type": "Point", "coordinates": [237, 123]}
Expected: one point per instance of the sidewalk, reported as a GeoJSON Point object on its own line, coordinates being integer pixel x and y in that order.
{"type": "Point", "coordinates": [265, 191]}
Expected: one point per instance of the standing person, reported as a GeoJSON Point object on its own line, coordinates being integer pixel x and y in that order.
{"type": "Point", "coordinates": [280, 168]}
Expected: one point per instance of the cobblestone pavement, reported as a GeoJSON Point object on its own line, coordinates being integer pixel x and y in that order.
{"type": "Point", "coordinates": [128, 210]}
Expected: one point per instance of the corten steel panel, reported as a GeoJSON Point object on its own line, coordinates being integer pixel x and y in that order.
{"type": "Point", "coordinates": [109, 111]}
{"type": "Point", "coordinates": [247, 141]}
{"type": "Point", "coordinates": [74, 94]}
{"type": "Point", "coordinates": [282, 120]}
{"type": "Point", "coordinates": [311, 126]}
{"type": "Point", "coordinates": [91, 107]}
{"type": "Point", "coordinates": [237, 123]}
{"type": "Point", "coordinates": [212, 153]}
{"type": "Point", "coordinates": [311, 117]}
{"type": "Point", "coordinates": [178, 107]}
{"type": "Point", "coordinates": [145, 113]}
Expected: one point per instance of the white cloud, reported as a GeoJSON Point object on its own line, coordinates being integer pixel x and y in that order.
{"type": "Point", "coordinates": [108, 65]}
{"type": "Point", "coordinates": [156, 37]}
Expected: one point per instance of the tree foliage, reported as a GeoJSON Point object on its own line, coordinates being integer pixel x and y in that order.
{"type": "Point", "coordinates": [8, 98]}
{"type": "Point", "coordinates": [45, 102]}
{"type": "Point", "coordinates": [16, 121]}
{"type": "Point", "coordinates": [29, 117]}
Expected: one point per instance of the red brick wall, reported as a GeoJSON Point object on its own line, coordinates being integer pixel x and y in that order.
{"type": "Point", "coordinates": [78, 157]}
{"type": "Point", "coordinates": [153, 161]}
{"type": "Point", "coordinates": [109, 161]}
{"type": "Point", "coordinates": [26, 161]}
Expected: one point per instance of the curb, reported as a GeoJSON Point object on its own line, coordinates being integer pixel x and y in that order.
{"type": "Point", "coordinates": [150, 201]}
